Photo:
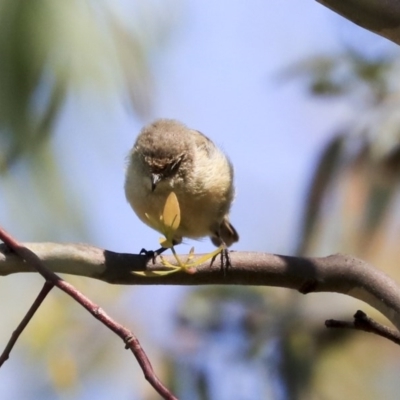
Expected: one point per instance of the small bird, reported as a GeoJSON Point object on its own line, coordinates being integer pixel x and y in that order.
{"type": "Point", "coordinates": [168, 156]}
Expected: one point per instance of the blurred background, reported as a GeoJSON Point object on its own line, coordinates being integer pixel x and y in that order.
{"type": "Point", "coordinates": [306, 106]}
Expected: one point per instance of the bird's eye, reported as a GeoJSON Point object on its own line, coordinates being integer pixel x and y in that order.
{"type": "Point", "coordinates": [173, 167]}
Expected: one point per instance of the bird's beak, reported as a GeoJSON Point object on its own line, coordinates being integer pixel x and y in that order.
{"type": "Point", "coordinates": [155, 178]}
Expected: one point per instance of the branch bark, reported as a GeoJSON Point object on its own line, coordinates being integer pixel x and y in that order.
{"type": "Point", "coordinates": [381, 17]}
{"type": "Point", "coordinates": [336, 273]}
{"type": "Point", "coordinates": [364, 323]}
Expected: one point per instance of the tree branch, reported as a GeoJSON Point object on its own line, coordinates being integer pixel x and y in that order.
{"type": "Point", "coordinates": [22, 325]}
{"type": "Point", "coordinates": [336, 273]}
{"type": "Point", "coordinates": [28, 257]}
{"type": "Point", "coordinates": [364, 323]}
{"type": "Point", "coordinates": [381, 17]}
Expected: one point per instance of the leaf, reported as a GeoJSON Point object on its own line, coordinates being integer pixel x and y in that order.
{"type": "Point", "coordinates": [172, 212]}
{"type": "Point", "coordinates": [189, 268]}
{"type": "Point", "coordinates": [190, 255]}
{"type": "Point", "coordinates": [167, 244]}
{"type": "Point", "coordinates": [150, 274]}
{"type": "Point", "coordinates": [206, 257]}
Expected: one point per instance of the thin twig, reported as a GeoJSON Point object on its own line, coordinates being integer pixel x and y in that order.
{"type": "Point", "coordinates": [15, 335]}
{"type": "Point", "coordinates": [364, 323]}
{"type": "Point", "coordinates": [127, 336]}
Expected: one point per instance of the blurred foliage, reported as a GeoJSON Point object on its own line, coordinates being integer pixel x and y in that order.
{"type": "Point", "coordinates": [348, 73]}
{"type": "Point", "coordinates": [48, 49]}
{"type": "Point", "coordinates": [352, 202]}
{"type": "Point", "coordinates": [225, 339]}
{"type": "Point", "coordinates": [242, 342]}
{"type": "Point", "coordinates": [353, 206]}
{"type": "Point", "coordinates": [74, 356]}
{"type": "Point", "coordinates": [54, 53]}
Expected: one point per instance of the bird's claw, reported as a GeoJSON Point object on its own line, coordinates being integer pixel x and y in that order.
{"type": "Point", "coordinates": [152, 254]}
{"type": "Point", "coordinates": [225, 260]}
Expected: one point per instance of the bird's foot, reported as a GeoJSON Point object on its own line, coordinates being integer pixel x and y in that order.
{"type": "Point", "coordinates": [225, 259]}
{"type": "Point", "coordinates": [152, 254]}
{"type": "Point", "coordinates": [189, 265]}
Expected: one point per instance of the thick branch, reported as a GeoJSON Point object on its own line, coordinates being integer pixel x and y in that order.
{"type": "Point", "coordinates": [337, 273]}
{"type": "Point", "coordinates": [378, 16]}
